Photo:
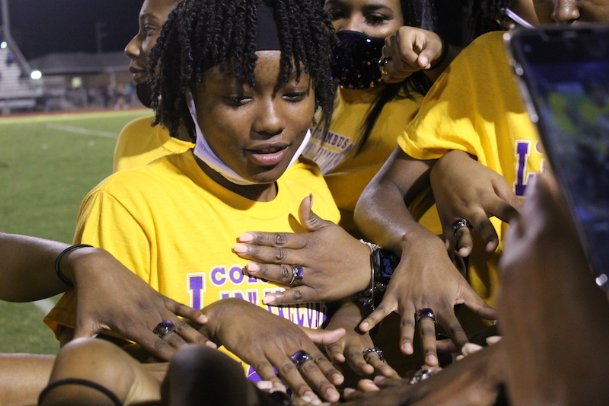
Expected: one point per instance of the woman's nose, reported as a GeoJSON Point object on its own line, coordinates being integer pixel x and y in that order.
{"type": "Point", "coordinates": [565, 11]}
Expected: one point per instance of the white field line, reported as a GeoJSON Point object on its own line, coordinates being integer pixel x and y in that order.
{"type": "Point", "coordinates": [45, 305]}
{"type": "Point", "coordinates": [80, 130]}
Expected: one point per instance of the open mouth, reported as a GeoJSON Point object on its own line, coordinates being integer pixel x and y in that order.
{"type": "Point", "coordinates": [268, 156]}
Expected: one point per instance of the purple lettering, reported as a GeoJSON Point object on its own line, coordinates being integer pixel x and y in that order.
{"type": "Point", "coordinates": [196, 286]}
{"type": "Point", "coordinates": [218, 276]}
{"type": "Point", "coordinates": [236, 275]}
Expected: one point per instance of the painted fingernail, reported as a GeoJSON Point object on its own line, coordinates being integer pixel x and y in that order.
{"type": "Point", "coordinates": [246, 237]}
{"type": "Point", "coordinates": [268, 299]}
{"type": "Point", "coordinates": [211, 344]}
{"type": "Point", "coordinates": [252, 267]}
{"type": "Point", "coordinates": [240, 248]}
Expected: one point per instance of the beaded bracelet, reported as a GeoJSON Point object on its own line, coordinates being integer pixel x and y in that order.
{"type": "Point", "coordinates": [58, 271]}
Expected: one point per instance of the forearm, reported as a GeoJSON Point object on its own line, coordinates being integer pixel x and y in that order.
{"type": "Point", "coordinates": [383, 217]}
{"type": "Point", "coordinates": [27, 270]}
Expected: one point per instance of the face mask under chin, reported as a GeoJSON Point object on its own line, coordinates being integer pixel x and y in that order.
{"type": "Point", "coordinates": [355, 62]}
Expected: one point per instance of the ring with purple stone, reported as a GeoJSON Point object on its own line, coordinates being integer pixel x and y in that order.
{"type": "Point", "coordinates": [297, 274]}
{"type": "Point", "coordinates": [300, 357]}
{"type": "Point", "coordinates": [163, 328]}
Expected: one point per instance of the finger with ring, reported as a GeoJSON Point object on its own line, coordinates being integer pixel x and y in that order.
{"type": "Point", "coordinates": [422, 374]}
{"type": "Point", "coordinates": [373, 350]}
{"type": "Point", "coordinates": [382, 63]}
{"type": "Point", "coordinates": [425, 312]}
{"type": "Point", "coordinates": [297, 274]}
{"type": "Point", "coordinates": [163, 328]}
{"type": "Point", "coordinates": [460, 223]}
{"type": "Point", "coordinates": [300, 357]}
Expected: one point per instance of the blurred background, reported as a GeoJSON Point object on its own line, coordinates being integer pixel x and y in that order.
{"type": "Point", "coordinates": [65, 93]}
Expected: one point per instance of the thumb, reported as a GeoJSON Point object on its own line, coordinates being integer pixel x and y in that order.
{"type": "Point", "coordinates": [309, 219]}
{"type": "Point", "coordinates": [324, 337]}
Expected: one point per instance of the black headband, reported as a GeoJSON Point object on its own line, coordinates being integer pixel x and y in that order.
{"type": "Point", "coordinates": [267, 35]}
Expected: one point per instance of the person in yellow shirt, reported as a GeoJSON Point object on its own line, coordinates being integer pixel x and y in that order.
{"type": "Point", "coordinates": [139, 142]}
{"type": "Point", "coordinates": [248, 76]}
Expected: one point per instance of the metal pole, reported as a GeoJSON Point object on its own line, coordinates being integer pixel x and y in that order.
{"type": "Point", "coordinates": [9, 38]}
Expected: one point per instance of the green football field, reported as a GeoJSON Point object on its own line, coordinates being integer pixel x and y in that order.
{"type": "Point", "coordinates": [47, 165]}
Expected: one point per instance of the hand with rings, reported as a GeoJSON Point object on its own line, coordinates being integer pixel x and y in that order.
{"type": "Point", "coordinates": [275, 346]}
{"type": "Point", "coordinates": [355, 348]}
{"type": "Point", "coordinates": [467, 194]}
{"type": "Point", "coordinates": [324, 264]}
{"type": "Point", "coordinates": [409, 50]}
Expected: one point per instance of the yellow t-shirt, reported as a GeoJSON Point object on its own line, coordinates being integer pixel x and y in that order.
{"type": "Point", "coordinates": [346, 172]}
{"type": "Point", "coordinates": [175, 228]}
{"type": "Point", "coordinates": [475, 106]}
{"type": "Point", "coordinates": [139, 143]}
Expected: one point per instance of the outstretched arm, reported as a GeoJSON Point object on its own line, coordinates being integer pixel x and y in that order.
{"type": "Point", "coordinates": [131, 307]}
{"type": "Point", "coordinates": [425, 278]}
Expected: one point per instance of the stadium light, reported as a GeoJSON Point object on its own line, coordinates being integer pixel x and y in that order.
{"type": "Point", "coordinates": [36, 75]}
{"type": "Point", "coordinates": [3, 44]}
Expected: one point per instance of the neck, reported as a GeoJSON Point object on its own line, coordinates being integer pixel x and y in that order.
{"type": "Point", "coordinates": [260, 192]}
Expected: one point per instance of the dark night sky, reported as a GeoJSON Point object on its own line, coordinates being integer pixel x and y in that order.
{"type": "Point", "coordinates": [44, 26]}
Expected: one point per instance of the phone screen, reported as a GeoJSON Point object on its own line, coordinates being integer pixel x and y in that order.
{"type": "Point", "coordinates": [564, 76]}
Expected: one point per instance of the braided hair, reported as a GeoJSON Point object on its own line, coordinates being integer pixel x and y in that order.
{"type": "Point", "coordinates": [416, 13]}
{"type": "Point", "coordinates": [200, 34]}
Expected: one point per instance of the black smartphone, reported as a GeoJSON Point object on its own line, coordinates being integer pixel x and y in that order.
{"type": "Point", "coordinates": [563, 73]}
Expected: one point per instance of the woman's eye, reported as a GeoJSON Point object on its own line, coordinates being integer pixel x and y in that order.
{"type": "Point", "coordinates": [295, 96]}
{"type": "Point", "coordinates": [376, 19]}
{"type": "Point", "coordinates": [237, 100]}
{"type": "Point", "coordinates": [149, 30]}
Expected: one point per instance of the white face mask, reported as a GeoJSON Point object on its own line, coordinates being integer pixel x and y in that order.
{"type": "Point", "coordinates": [204, 152]}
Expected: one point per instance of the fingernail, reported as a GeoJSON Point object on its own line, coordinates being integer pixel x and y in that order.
{"type": "Point", "coordinates": [431, 360]}
{"type": "Point", "coordinates": [211, 344]}
{"type": "Point", "coordinates": [407, 348]}
{"type": "Point", "coordinates": [337, 379]}
{"type": "Point", "coordinates": [332, 395]}
{"type": "Point", "coordinates": [424, 61]}
{"type": "Point", "coordinates": [268, 299]}
{"type": "Point", "coordinates": [379, 379]}
{"type": "Point", "coordinates": [364, 326]}
{"type": "Point", "coordinates": [348, 391]}
{"type": "Point", "coordinates": [252, 267]}
{"type": "Point", "coordinates": [202, 319]}
{"type": "Point", "coordinates": [246, 237]}
{"type": "Point", "coordinates": [240, 248]}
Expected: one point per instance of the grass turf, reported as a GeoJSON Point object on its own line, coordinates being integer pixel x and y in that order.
{"type": "Point", "coordinates": [47, 165]}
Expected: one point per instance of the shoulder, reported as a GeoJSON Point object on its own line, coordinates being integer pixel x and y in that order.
{"type": "Point", "coordinates": [137, 125]}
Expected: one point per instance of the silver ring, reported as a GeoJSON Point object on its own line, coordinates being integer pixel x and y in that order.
{"type": "Point", "coordinates": [163, 328]}
{"type": "Point", "coordinates": [382, 63]}
{"type": "Point", "coordinates": [460, 223]}
{"type": "Point", "coordinates": [300, 357]}
{"type": "Point", "coordinates": [421, 375]}
{"type": "Point", "coordinates": [373, 350]}
{"type": "Point", "coordinates": [297, 274]}
{"type": "Point", "coordinates": [425, 313]}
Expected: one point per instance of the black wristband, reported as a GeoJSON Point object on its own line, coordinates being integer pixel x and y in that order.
{"type": "Point", "coordinates": [58, 271]}
{"type": "Point", "coordinates": [82, 382]}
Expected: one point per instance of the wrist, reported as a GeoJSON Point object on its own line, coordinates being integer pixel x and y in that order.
{"type": "Point", "coordinates": [70, 260]}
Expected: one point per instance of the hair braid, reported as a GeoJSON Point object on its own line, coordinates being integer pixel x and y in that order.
{"type": "Point", "coordinates": [200, 34]}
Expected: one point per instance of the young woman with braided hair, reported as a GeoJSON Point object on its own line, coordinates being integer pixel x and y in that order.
{"type": "Point", "coordinates": [246, 76]}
